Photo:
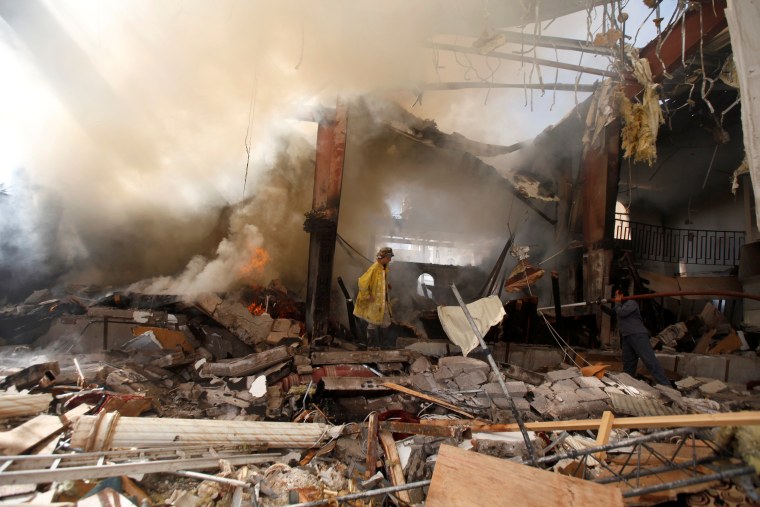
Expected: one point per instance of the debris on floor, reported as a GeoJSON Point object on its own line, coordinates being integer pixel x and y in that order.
{"type": "Point", "coordinates": [207, 403]}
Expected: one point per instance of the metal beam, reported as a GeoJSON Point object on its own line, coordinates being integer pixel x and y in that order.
{"type": "Point", "coordinates": [521, 58]}
{"type": "Point", "coordinates": [546, 41]}
{"type": "Point", "coordinates": [549, 87]}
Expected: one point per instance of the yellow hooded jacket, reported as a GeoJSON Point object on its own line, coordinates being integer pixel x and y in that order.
{"type": "Point", "coordinates": [372, 298]}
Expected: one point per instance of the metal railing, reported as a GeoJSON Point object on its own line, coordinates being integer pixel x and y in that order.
{"type": "Point", "coordinates": [689, 246]}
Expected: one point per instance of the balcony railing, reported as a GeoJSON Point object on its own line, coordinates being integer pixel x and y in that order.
{"type": "Point", "coordinates": [689, 246]}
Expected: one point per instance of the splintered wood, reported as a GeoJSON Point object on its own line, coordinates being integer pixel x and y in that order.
{"type": "Point", "coordinates": [464, 478]}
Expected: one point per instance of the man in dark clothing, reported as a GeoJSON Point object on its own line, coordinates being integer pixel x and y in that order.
{"type": "Point", "coordinates": [634, 338]}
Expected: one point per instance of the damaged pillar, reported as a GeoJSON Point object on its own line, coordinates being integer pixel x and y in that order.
{"type": "Point", "coordinates": [600, 170]}
{"type": "Point", "coordinates": [322, 221]}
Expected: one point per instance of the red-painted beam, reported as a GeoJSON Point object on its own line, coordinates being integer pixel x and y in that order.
{"type": "Point", "coordinates": [323, 224]}
{"type": "Point", "coordinates": [681, 40]}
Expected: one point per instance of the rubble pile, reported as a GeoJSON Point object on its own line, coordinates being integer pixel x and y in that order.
{"type": "Point", "coordinates": [158, 401]}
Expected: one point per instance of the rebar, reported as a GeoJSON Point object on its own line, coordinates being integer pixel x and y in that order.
{"type": "Point", "coordinates": [719, 476]}
{"type": "Point", "coordinates": [659, 435]}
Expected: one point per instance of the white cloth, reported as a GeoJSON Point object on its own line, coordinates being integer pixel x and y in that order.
{"type": "Point", "coordinates": [486, 313]}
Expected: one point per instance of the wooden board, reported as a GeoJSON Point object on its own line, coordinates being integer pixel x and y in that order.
{"type": "Point", "coordinates": [426, 397]}
{"type": "Point", "coordinates": [468, 479]}
{"type": "Point", "coordinates": [745, 418]}
{"type": "Point", "coordinates": [393, 465]}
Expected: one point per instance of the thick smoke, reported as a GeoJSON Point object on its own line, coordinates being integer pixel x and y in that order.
{"type": "Point", "coordinates": [130, 121]}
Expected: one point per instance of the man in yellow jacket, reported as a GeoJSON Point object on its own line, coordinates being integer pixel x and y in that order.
{"type": "Point", "coordinates": [372, 303]}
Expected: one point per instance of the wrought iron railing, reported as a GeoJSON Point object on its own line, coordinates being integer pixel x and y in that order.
{"type": "Point", "coordinates": [690, 246]}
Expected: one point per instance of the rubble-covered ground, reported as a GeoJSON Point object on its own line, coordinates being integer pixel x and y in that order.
{"type": "Point", "coordinates": [223, 400]}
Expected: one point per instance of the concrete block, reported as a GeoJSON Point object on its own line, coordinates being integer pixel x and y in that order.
{"type": "Point", "coordinates": [522, 404]}
{"type": "Point", "coordinates": [545, 389]}
{"type": "Point", "coordinates": [669, 362]}
{"type": "Point", "coordinates": [716, 386]}
{"type": "Point", "coordinates": [688, 383]}
{"type": "Point", "coordinates": [589, 382]}
{"type": "Point", "coordinates": [563, 386]}
{"type": "Point", "coordinates": [481, 400]}
{"type": "Point", "coordinates": [541, 404]}
{"type": "Point", "coordinates": [281, 325]}
{"type": "Point", "coordinates": [568, 373]}
{"type": "Point", "coordinates": [568, 411]}
{"type": "Point", "coordinates": [443, 373]}
{"type": "Point", "coordinates": [425, 382]}
{"type": "Point", "coordinates": [567, 397]}
{"type": "Point", "coordinates": [533, 357]}
{"type": "Point", "coordinates": [517, 389]}
{"type": "Point", "coordinates": [275, 337]}
{"type": "Point", "coordinates": [743, 369]}
{"type": "Point", "coordinates": [419, 365]}
{"type": "Point", "coordinates": [613, 390]}
{"type": "Point", "coordinates": [591, 394]}
{"type": "Point", "coordinates": [460, 364]}
{"type": "Point", "coordinates": [595, 408]}
{"type": "Point", "coordinates": [471, 379]}
{"type": "Point", "coordinates": [714, 367]}
{"type": "Point", "coordinates": [430, 348]}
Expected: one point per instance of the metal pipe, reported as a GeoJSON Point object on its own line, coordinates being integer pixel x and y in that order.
{"type": "Point", "coordinates": [499, 376]}
{"type": "Point", "coordinates": [724, 293]}
{"type": "Point", "coordinates": [720, 476]}
{"type": "Point", "coordinates": [521, 58]}
{"type": "Point", "coordinates": [214, 478]}
{"type": "Point", "coordinates": [365, 494]}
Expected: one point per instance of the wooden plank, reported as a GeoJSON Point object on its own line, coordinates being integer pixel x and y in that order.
{"type": "Point", "coordinates": [745, 418]}
{"type": "Point", "coordinates": [34, 431]}
{"type": "Point", "coordinates": [426, 397]}
{"type": "Point", "coordinates": [372, 429]}
{"type": "Point", "coordinates": [428, 430]}
{"type": "Point", "coordinates": [361, 357]}
{"type": "Point", "coordinates": [17, 404]}
{"type": "Point", "coordinates": [464, 478]}
{"type": "Point", "coordinates": [393, 465]}
{"type": "Point", "coordinates": [603, 437]}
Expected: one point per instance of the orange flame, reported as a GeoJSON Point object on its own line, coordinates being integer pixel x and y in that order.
{"type": "Point", "coordinates": [257, 262]}
{"type": "Point", "coordinates": [256, 309]}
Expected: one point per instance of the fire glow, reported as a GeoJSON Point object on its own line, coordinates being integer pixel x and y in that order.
{"type": "Point", "coordinates": [256, 264]}
{"type": "Point", "coordinates": [256, 309]}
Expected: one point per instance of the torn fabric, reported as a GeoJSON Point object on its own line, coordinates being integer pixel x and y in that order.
{"type": "Point", "coordinates": [486, 313]}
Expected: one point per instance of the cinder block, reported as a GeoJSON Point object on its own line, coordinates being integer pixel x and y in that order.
{"type": "Point", "coordinates": [713, 387]}
{"type": "Point", "coordinates": [696, 365]}
{"type": "Point", "coordinates": [591, 394]}
{"type": "Point", "coordinates": [517, 389]}
{"type": "Point", "coordinates": [589, 382]}
{"type": "Point", "coordinates": [743, 369]}
{"type": "Point", "coordinates": [568, 373]}
{"type": "Point", "coordinates": [471, 379]}
{"type": "Point", "coordinates": [541, 404]}
{"type": "Point", "coordinates": [595, 408]}
{"type": "Point", "coordinates": [668, 361]}
{"type": "Point", "coordinates": [534, 358]}
{"type": "Point", "coordinates": [563, 386]}
{"type": "Point", "coordinates": [461, 364]}
{"type": "Point", "coordinates": [567, 397]}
